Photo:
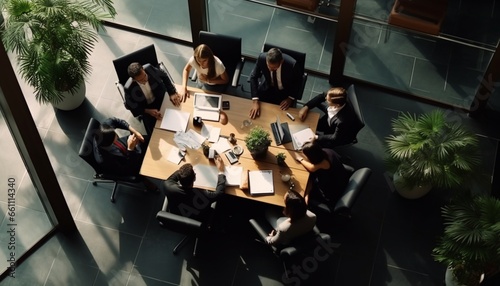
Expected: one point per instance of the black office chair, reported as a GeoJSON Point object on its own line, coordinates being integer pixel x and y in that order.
{"type": "Point", "coordinates": [90, 153]}
{"type": "Point", "coordinates": [348, 198]}
{"type": "Point", "coordinates": [191, 227]}
{"type": "Point", "coordinates": [228, 50]}
{"type": "Point", "coordinates": [145, 56]}
{"type": "Point", "coordinates": [298, 248]}
{"type": "Point", "coordinates": [301, 63]}
{"type": "Point", "coordinates": [353, 101]}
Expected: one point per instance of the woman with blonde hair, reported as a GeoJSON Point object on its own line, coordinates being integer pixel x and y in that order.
{"type": "Point", "coordinates": [211, 72]}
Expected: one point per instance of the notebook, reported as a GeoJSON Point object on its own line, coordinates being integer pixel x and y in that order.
{"type": "Point", "coordinates": [302, 137]}
{"type": "Point", "coordinates": [261, 182]}
{"type": "Point", "coordinates": [207, 106]}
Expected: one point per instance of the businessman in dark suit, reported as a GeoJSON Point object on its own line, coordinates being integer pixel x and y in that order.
{"type": "Point", "coordinates": [145, 91]}
{"type": "Point", "coordinates": [280, 83]}
{"type": "Point", "coordinates": [188, 201]}
{"type": "Point", "coordinates": [339, 124]}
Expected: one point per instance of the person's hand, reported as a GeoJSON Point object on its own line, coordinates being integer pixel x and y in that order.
{"type": "Point", "coordinates": [132, 141]}
{"type": "Point", "coordinates": [219, 163]}
{"type": "Point", "coordinates": [176, 99]}
{"type": "Point", "coordinates": [138, 136]}
{"type": "Point", "coordinates": [272, 233]}
{"type": "Point", "coordinates": [303, 113]}
{"type": "Point", "coordinates": [298, 157]}
{"type": "Point", "coordinates": [285, 104]}
{"type": "Point", "coordinates": [154, 112]}
{"type": "Point", "coordinates": [306, 198]}
{"type": "Point", "coordinates": [255, 111]}
{"type": "Point", "coordinates": [203, 77]}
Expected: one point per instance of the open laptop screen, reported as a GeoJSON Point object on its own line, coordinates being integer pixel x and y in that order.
{"type": "Point", "coordinates": [207, 101]}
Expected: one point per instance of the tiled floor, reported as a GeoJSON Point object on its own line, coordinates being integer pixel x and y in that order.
{"type": "Point", "coordinates": [388, 241]}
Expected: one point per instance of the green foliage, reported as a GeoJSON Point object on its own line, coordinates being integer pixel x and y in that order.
{"type": "Point", "coordinates": [471, 240]}
{"type": "Point", "coordinates": [281, 156]}
{"type": "Point", "coordinates": [53, 40]}
{"type": "Point", "coordinates": [430, 150]}
{"type": "Point", "coordinates": [257, 139]}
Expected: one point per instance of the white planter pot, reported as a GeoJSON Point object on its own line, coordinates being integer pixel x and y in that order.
{"type": "Point", "coordinates": [450, 280]}
{"type": "Point", "coordinates": [72, 101]}
{"type": "Point", "coordinates": [407, 193]}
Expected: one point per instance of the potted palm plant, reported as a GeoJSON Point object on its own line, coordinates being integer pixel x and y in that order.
{"type": "Point", "coordinates": [258, 141]}
{"type": "Point", "coordinates": [53, 40]}
{"type": "Point", "coordinates": [428, 151]}
{"type": "Point", "coordinates": [470, 245]}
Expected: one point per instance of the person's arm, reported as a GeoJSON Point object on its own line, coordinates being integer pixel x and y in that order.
{"type": "Point", "coordinates": [169, 85]}
{"type": "Point", "coordinates": [256, 75]}
{"type": "Point", "coordinates": [221, 79]}
{"type": "Point", "coordinates": [278, 236]}
{"type": "Point", "coordinates": [308, 165]}
{"type": "Point", "coordinates": [185, 76]}
{"type": "Point", "coordinates": [117, 123]}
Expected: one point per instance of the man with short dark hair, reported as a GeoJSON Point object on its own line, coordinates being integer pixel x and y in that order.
{"type": "Point", "coordinates": [280, 84]}
{"type": "Point", "coordinates": [145, 92]}
{"type": "Point", "coordinates": [186, 200]}
{"type": "Point", "coordinates": [338, 125]}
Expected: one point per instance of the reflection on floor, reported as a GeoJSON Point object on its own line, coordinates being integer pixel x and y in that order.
{"type": "Point", "coordinates": [387, 242]}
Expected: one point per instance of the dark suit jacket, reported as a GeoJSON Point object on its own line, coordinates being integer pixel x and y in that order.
{"type": "Point", "coordinates": [113, 161]}
{"type": "Point", "coordinates": [344, 127]}
{"type": "Point", "coordinates": [135, 101]}
{"type": "Point", "coordinates": [290, 78]}
{"type": "Point", "coordinates": [190, 202]}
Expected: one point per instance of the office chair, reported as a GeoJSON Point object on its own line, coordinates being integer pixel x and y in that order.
{"type": "Point", "coordinates": [349, 196]}
{"type": "Point", "coordinates": [228, 50]}
{"type": "Point", "coordinates": [191, 227]}
{"type": "Point", "coordinates": [352, 99]}
{"type": "Point", "coordinates": [301, 63]}
{"type": "Point", "coordinates": [299, 247]}
{"type": "Point", "coordinates": [145, 56]}
{"type": "Point", "coordinates": [90, 153]}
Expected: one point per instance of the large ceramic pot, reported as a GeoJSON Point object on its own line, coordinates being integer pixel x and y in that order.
{"type": "Point", "coordinates": [409, 193]}
{"type": "Point", "coordinates": [450, 280]}
{"type": "Point", "coordinates": [72, 101]}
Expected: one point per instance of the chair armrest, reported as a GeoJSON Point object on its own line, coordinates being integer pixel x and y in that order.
{"type": "Point", "coordinates": [130, 179]}
{"type": "Point", "coordinates": [304, 244]}
{"type": "Point", "coordinates": [262, 232]}
{"type": "Point", "coordinates": [354, 187]}
{"type": "Point", "coordinates": [121, 90]}
{"type": "Point", "coordinates": [237, 72]}
{"type": "Point", "coordinates": [178, 222]}
{"type": "Point", "coordinates": [194, 75]}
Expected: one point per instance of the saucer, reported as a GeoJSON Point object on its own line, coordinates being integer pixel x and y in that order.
{"type": "Point", "coordinates": [237, 150]}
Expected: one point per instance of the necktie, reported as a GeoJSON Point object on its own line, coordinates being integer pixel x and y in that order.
{"type": "Point", "coordinates": [120, 146]}
{"type": "Point", "coordinates": [275, 79]}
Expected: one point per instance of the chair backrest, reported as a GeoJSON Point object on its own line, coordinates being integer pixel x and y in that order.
{"type": "Point", "coordinates": [226, 48]}
{"type": "Point", "coordinates": [353, 101]}
{"type": "Point", "coordinates": [87, 151]}
{"type": "Point", "coordinates": [142, 56]}
{"type": "Point", "coordinates": [304, 244]}
{"type": "Point", "coordinates": [351, 193]}
{"type": "Point", "coordinates": [301, 63]}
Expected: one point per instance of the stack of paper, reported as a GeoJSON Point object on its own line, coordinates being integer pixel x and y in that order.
{"type": "Point", "coordinates": [210, 132]}
{"type": "Point", "coordinates": [233, 175]}
{"type": "Point", "coordinates": [174, 120]}
{"type": "Point", "coordinates": [206, 176]}
{"type": "Point", "coordinates": [261, 182]}
{"type": "Point", "coordinates": [302, 137]}
{"type": "Point", "coordinates": [221, 146]}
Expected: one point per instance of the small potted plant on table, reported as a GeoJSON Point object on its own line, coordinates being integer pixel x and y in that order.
{"type": "Point", "coordinates": [258, 141]}
{"type": "Point", "coordinates": [280, 158]}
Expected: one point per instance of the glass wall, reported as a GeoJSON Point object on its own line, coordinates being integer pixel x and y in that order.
{"type": "Point", "coordinates": [259, 22]}
{"type": "Point", "coordinates": [23, 220]}
{"type": "Point", "coordinates": [165, 17]}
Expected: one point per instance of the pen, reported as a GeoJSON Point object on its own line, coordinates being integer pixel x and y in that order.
{"type": "Point", "coordinates": [290, 116]}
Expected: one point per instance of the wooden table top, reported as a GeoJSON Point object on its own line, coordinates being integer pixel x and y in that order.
{"type": "Point", "coordinates": [157, 166]}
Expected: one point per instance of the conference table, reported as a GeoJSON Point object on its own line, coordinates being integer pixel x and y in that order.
{"type": "Point", "coordinates": [157, 166]}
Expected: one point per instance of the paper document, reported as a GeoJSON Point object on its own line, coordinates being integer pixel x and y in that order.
{"type": "Point", "coordinates": [302, 137]}
{"type": "Point", "coordinates": [221, 146]}
{"type": "Point", "coordinates": [233, 175]}
{"type": "Point", "coordinates": [174, 120]}
{"type": "Point", "coordinates": [196, 136]}
{"type": "Point", "coordinates": [261, 182]}
{"type": "Point", "coordinates": [210, 132]}
{"type": "Point", "coordinates": [206, 176]}
{"type": "Point", "coordinates": [174, 156]}
{"type": "Point", "coordinates": [183, 139]}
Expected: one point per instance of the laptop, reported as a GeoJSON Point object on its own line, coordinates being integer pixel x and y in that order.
{"type": "Point", "coordinates": [207, 106]}
{"type": "Point", "coordinates": [281, 132]}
